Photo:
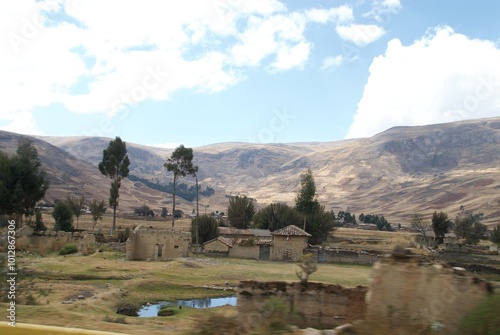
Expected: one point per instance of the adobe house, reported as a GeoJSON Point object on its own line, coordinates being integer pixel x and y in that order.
{"type": "Point", "coordinates": [157, 244]}
{"type": "Point", "coordinates": [218, 246]}
{"type": "Point", "coordinates": [289, 244]}
{"type": "Point", "coordinates": [241, 243]}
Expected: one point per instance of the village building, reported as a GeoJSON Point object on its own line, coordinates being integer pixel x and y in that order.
{"type": "Point", "coordinates": [240, 243]}
{"type": "Point", "coordinates": [157, 244]}
{"type": "Point", "coordinates": [289, 244]}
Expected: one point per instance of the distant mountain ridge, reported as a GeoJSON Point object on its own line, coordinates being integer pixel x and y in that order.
{"type": "Point", "coordinates": [399, 172]}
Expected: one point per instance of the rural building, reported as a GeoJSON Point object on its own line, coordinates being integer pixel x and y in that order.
{"type": "Point", "coordinates": [218, 246]}
{"type": "Point", "coordinates": [157, 244]}
{"type": "Point", "coordinates": [241, 243]}
{"type": "Point", "coordinates": [289, 244]}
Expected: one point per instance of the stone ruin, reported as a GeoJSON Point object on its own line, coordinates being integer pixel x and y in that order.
{"type": "Point", "coordinates": [403, 295]}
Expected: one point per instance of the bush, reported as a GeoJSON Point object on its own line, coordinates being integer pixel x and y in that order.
{"type": "Point", "coordinates": [39, 225]}
{"type": "Point", "coordinates": [167, 311]}
{"type": "Point", "coordinates": [67, 249]}
{"type": "Point", "coordinates": [63, 215]}
{"type": "Point", "coordinates": [123, 235]}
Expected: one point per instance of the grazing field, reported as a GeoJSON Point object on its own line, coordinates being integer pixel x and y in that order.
{"type": "Point", "coordinates": [106, 281]}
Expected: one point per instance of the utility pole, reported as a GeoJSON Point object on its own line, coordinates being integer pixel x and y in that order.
{"type": "Point", "coordinates": [197, 244]}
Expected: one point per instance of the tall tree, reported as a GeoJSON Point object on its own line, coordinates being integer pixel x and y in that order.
{"type": "Point", "coordinates": [63, 215]}
{"type": "Point", "coordinates": [240, 212]}
{"type": "Point", "coordinates": [180, 163]}
{"type": "Point", "coordinates": [76, 204]}
{"type": "Point", "coordinates": [97, 209]}
{"type": "Point", "coordinates": [22, 181]}
{"type": "Point", "coordinates": [114, 164]}
{"type": "Point", "coordinates": [276, 216]}
{"type": "Point", "coordinates": [440, 224]}
{"type": "Point", "coordinates": [495, 234]}
{"type": "Point", "coordinates": [469, 227]}
{"type": "Point", "coordinates": [419, 224]}
{"type": "Point", "coordinates": [207, 228]}
{"type": "Point", "coordinates": [320, 225]}
{"type": "Point", "coordinates": [306, 201]}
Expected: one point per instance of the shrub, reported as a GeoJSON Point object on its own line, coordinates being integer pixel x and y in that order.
{"type": "Point", "coordinates": [167, 311]}
{"type": "Point", "coordinates": [123, 235]}
{"type": "Point", "coordinates": [63, 215]}
{"type": "Point", "coordinates": [67, 249]}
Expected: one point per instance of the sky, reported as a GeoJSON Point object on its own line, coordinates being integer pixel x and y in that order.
{"type": "Point", "coordinates": [197, 72]}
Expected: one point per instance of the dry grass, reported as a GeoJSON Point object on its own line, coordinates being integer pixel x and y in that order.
{"type": "Point", "coordinates": [109, 280]}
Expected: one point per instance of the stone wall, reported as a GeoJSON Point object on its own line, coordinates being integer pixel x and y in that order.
{"type": "Point", "coordinates": [329, 255]}
{"type": "Point", "coordinates": [157, 244]}
{"type": "Point", "coordinates": [313, 304]}
{"type": "Point", "coordinates": [421, 297]}
{"type": "Point", "coordinates": [50, 240]}
{"type": "Point", "coordinates": [288, 248]}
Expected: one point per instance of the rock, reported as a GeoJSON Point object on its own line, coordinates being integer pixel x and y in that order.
{"type": "Point", "coordinates": [81, 297]}
{"type": "Point", "coordinates": [67, 302]}
{"type": "Point", "coordinates": [346, 329]}
{"type": "Point", "coordinates": [459, 271]}
{"type": "Point", "coordinates": [329, 332]}
{"type": "Point", "coordinates": [311, 331]}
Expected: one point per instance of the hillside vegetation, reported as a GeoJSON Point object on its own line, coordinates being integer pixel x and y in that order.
{"type": "Point", "coordinates": [397, 173]}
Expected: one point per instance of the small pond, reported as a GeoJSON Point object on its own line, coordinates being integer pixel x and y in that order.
{"type": "Point", "coordinates": [153, 309]}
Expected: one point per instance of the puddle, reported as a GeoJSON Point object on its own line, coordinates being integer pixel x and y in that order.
{"type": "Point", "coordinates": [153, 309]}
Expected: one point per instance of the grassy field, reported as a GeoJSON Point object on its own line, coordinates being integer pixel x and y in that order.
{"type": "Point", "coordinates": [107, 281]}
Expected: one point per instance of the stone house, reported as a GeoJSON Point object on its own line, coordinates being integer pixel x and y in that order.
{"type": "Point", "coordinates": [157, 244]}
{"type": "Point", "coordinates": [289, 244]}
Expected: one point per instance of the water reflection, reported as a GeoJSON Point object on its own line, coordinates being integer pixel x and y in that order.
{"type": "Point", "coordinates": [152, 310]}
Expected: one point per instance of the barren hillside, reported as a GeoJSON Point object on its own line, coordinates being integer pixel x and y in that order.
{"type": "Point", "coordinates": [399, 172]}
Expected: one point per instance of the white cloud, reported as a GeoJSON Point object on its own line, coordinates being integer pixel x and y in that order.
{"type": "Point", "coordinates": [382, 10]}
{"type": "Point", "coordinates": [340, 14]}
{"type": "Point", "coordinates": [331, 62]}
{"type": "Point", "coordinates": [443, 77]}
{"type": "Point", "coordinates": [101, 55]}
{"type": "Point", "coordinates": [360, 34]}
{"type": "Point", "coordinates": [23, 123]}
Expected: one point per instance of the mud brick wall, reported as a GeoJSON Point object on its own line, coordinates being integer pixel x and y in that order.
{"type": "Point", "coordinates": [157, 244]}
{"type": "Point", "coordinates": [314, 304]}
{"type": "Point", "coordinates": [421, 297]}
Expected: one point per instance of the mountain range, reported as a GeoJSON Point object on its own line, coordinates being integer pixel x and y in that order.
{"type": "Point", "coordinates": [396, 173]}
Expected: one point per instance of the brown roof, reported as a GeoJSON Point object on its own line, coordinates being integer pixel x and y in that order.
{"type": "Point", "coordinates": [234, 231]}
{"type": "Point", "coordinates": [291, 230]}
{"type": "Point", "coordinates": [224, 240]}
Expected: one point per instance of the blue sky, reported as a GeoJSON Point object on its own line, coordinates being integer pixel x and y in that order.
{"type": "Point", "coordinates": [198, 72]}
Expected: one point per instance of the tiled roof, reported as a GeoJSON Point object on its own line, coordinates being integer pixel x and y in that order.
{"type": "Point", "coordinates": [234, 231]}
{"type": "Point", "coordinates": [261, 232]}
{"type": "Point", "coordinates": [291, 230]}
{"type": "Point", "coordinates": [225, 240]}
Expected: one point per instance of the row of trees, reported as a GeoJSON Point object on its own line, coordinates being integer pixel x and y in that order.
{"type": "Point", "coordinates": [307, 213]}
{"type": "Point", "coordinates": [182, 190]}
{"type": "Point", "coordinates": [115, 165]}
{"type": "Point", "coordinates": [467, 226]}
{"type": "Point", "coordinates": [65, 210]}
